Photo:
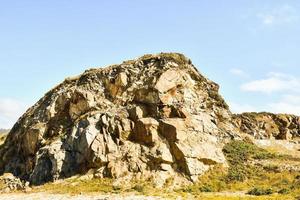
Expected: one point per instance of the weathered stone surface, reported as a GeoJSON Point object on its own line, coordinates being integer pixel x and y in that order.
{"type": "Point", "coordinates": [268, 125]}
{"type": "Point", "coordinates": [155, 117]}
{"type": "Point", "coordinates": [145, 131]}
{"type": "Point", "coordinates": [32, 137]}
{"type": "Point", "coordinates": [137, 112]}
{"type": "Point", "coordinates": [174, 86]}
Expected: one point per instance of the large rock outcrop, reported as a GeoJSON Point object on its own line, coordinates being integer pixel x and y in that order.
{"type": "Point", "coordinates": [155, 117]}
{"type": "Point", "coordinates": [267, 125]}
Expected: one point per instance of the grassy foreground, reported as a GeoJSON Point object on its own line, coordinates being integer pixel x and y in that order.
{"type": "Point", "coordinates": [242, 180]}
{"type": "Point", "coordinates": [104, 186]}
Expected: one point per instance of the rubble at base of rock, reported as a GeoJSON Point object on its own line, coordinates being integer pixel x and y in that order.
{"type": "Point", "coordinates": [13, 183]}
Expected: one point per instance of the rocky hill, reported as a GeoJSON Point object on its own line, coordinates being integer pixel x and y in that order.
{"type": "Point", "coordinates": [154, 118]}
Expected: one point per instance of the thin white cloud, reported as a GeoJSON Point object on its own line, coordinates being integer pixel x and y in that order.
{"type": "Point", "coordinates": [274, 82]}
{"type": "Point", "coordinates": [284, 87]}
{"type": "Point", "coordinates": [279, 15]}
{"type": "Point", "coordinates": [292, 99]}
{"type": "Point", "coordinates": [240, 108]}
{"type": "Point", "coordinates": [238, 72]}
{"type": "Point", "coordinates": [10, 111]}
{"type": "Point", "coordinates": [287, 104]}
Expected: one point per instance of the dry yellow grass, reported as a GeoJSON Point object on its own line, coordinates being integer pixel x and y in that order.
{"type": "Point", "coordinates": [105, 186]}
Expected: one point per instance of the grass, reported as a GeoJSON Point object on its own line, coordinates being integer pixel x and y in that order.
{"type": "Point", "coordinates": [241, 175]}
{"type": "Point", "coordinates": [218, 99]}
{"type": "Point", "coordinates": [76, 186]}
{"type": "Point", "coordinates": [102, 186]}
{"type": "Point", "coordinates": [257, 191]}
{"type": "Point", "coordinates": [225, 197]}
{"type": "Point", "coordinates": [238, 153]}
{"type": "Point", "coordinates": [105, 186]}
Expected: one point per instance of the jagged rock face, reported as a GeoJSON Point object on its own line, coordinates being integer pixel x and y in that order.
{"type": "Point", "coordinates": [152, 117]}
{"type": "Point", "coordinates": [268, 125]}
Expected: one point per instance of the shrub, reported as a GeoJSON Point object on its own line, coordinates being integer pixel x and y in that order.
{"type": "Point", "coordinates": [188, 189]}
{"type": "Point", "coordinates": [260, 191]}
{"type": "Point", "coordinates": [284, 191]}
{"type": "Point", "coordinates": [262, 154]}
{"type": "Point", "coordinates": [237, 154]}
{"type": "Point", "coordinates": [139, 188]}
{"type": "Point", "coordinates": [218, 99]}
{"type": "Point", "coordinates": [206, 188]}
{"type": "Point", "coordinates": [116, 187]}
{"type": "Point", "coordinates": [243, 151]}
{"type": "Point", "coordinates": [271, 168]}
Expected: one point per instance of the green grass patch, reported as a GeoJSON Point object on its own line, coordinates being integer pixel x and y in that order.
{"type": "Point", "coordinates": [238, 153]}
{"type": "Point", "coordinates": [260, 191]}
{"type": "Point", "coordinates": [242, 175]}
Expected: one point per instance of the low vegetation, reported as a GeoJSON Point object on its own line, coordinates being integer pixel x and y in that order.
{"type": "Point", "coordinates": [243, 175]}
{"type": "Point", "coordinates": [101, 185]}
{"type": "Point", "coordinates": [74, 186]}
{"type": "Point", "coordinates": [260, 191]}
{"type": "Point", "coordinates": [238, 154]}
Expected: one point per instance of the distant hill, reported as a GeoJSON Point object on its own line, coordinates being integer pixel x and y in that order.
{"type": "Point", "coordinates": [3, 130]}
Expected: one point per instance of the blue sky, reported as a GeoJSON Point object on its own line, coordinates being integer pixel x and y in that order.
{"type": "Point", "coordinates": [251, 48]}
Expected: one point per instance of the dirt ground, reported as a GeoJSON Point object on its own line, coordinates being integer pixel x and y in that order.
{"type": "Point", "coordinates": [46, 196]}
